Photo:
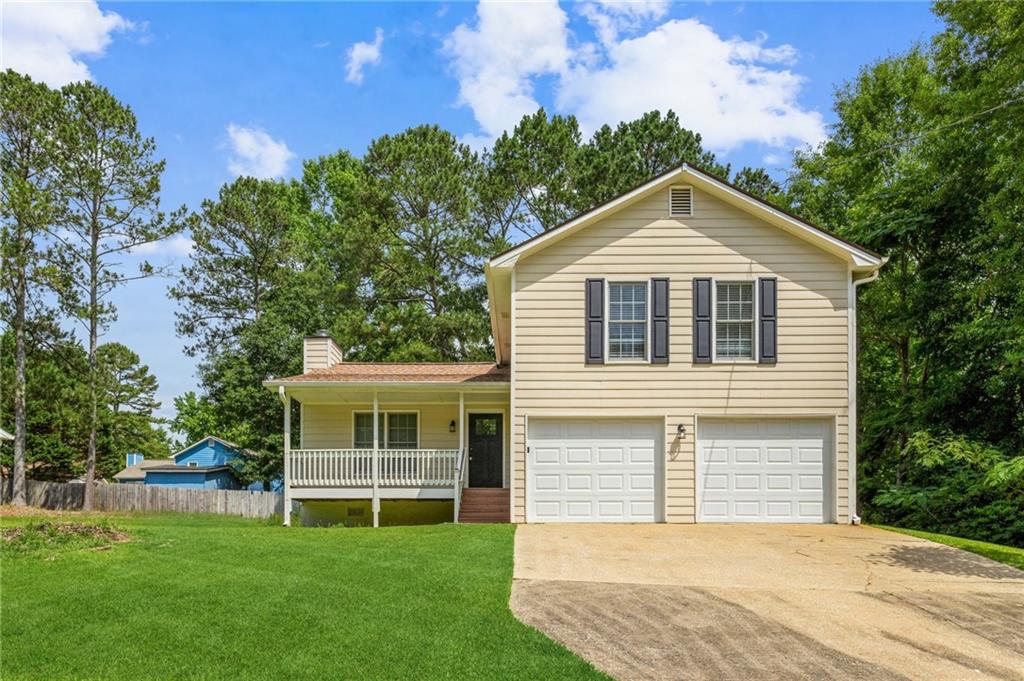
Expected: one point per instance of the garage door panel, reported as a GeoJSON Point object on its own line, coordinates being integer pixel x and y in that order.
{"type": "Point", "coordinates": [578, 483]}
{"type": "Point", "coordinates": [592, 470]}
{"type": "Point", "coordinates": [548, 483]}
{"type": "Point", "coordinates": [546, 455]}
{"type": "Point", "coordinates": [810, 455]}
{"type": "Point", "coordinates": [578, 455]}
{"type": "Point", "coordinates": [641, 483]}
{"type": "Point", "coordinates": [742, 455]}
{"type": "Point", "coordinates": [610, 455]}
{"type": "Point", "coordinates": [767, 470]}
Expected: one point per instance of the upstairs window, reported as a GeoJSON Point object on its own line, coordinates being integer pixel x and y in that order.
{"type": "Point", "coordinates": [627, 321]}
{"type": "Point", "coordinates": [734, 320]}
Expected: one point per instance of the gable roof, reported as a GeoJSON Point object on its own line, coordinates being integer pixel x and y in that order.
{"type": "Point", "coordinates": [860, 258]}
{"type": "Point", "coordinates": [204, 442]}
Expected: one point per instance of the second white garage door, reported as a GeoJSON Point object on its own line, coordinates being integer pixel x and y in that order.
{"type": "Point", "coordinates": [763, 470]}
{"type": "Point", "coordinates": [588, 470]}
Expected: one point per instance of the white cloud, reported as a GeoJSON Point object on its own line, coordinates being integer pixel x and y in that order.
{"type": "Point", "coordinates": [723, 89]}
{"type": "Point", "coordinates": [730, 90]}
{"type": "Point", "coordinates": [256, 153]}
{"type": "Point", "coordinates": [178, 245]}
{"type": "Point", "coordinates": [611, 17]}
{"type": "Point", "coordinates": [495, 61]}
{"type": "Point", "coordinates": [47, 40]}
{"type": "Point", "coordinates": [361, 55]}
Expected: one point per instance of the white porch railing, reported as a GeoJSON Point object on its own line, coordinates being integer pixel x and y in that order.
{"type": "Point", "coordinates": [354, 467]}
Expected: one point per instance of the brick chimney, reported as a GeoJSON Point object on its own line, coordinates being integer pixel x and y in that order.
{"type": "Point", "coordinates": [319, 351]}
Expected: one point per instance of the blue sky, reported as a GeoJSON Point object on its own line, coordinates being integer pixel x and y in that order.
{"type": "Point", "coordinates": [257, 87]}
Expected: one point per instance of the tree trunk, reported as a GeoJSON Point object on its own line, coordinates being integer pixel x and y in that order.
{"type": "Point", "coordinates": [18, 472]}
{"type": "Point", "coordinates": [90, 460]}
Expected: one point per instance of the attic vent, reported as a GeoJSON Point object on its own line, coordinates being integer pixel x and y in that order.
{"type": "Point", "coordinates": [680, 202]}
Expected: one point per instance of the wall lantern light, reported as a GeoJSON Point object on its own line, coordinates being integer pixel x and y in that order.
{"type": "Point", "coordinates": [680, 430]}
{"type": "Point", "coordinates": [451, 426]}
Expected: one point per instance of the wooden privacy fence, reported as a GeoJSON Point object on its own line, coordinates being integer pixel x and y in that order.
{"type": "Point", "coordinates": [110, 497]}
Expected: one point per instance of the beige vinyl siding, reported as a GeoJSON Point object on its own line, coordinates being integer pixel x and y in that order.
{"type": "Point", "coordinates": [640, 242]}
{"type": "Point", "coordinates": [315, 353]}
{"type": "Point", "coordinates": [319, 353]}
{"type": "Point", "coordinates": [329, 426]}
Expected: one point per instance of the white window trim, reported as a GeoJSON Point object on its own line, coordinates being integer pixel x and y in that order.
{"type": "Point", "coordinates": [608, 320]}
{"type": "Point", "coordinates": [693, 208]}
{"type": "Point", "coordinates": [384, 415]}
{"type": "Point", "coordinates": [755, 336]}
{"type": "Point", "coordinates": [192, 464]}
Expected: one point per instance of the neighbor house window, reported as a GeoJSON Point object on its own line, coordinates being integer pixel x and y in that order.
{"type": "Point", "coordinates": [734, 320]}
{"type": "Point", "coordinates": [627, 321]}
{"type": "Point", "coordinates": [398, 430]}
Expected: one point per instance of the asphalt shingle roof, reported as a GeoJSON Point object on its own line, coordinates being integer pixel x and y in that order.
{"type": "Point", "coordinates": [412, 372]}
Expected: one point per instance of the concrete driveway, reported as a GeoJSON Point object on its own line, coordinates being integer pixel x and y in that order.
{"type": "Point", "coordinates": [769, 602]}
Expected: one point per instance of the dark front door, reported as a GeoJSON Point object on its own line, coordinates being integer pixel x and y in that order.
{"type": "Point", "coordinates": [485, 450]}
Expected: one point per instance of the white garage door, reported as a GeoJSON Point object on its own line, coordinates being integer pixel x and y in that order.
{"type": "Point", "coordinates": [767, 470]}
{"type": "Point", "coordinates": [592, 470]}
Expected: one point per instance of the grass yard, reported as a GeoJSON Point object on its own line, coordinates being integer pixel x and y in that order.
{"type": "Point", "coordinates": [1010, 555]}
{"type": "Point", "coordinates": [215, 597]}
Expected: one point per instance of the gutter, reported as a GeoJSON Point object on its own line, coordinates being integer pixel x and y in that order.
{"type": "Point", "coordinates": [851, 386]}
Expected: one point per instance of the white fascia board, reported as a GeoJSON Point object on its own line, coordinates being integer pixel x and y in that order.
{"type": "Point", "coordinates": [493, 311]}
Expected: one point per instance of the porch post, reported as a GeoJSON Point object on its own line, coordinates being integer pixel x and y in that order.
{"type": "Point", "coordinates": [463, 461]}
{"type": "Point", "coordinates": [286, 510]}
{"type": "Point", "coordinates": [375, 503]}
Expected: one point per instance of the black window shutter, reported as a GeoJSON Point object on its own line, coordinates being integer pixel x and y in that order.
{"type": "Point", "coordinates": [702, 321]}
{"type": "Point", "coordinates": [594, 320]}
{"type": "Point", "coordinates": [659, 321]}
{"type": "Point", "coordinates": [767, 320]}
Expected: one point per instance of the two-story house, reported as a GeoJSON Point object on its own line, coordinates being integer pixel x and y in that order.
{"type": "Point", "coordinates": [683, 353]}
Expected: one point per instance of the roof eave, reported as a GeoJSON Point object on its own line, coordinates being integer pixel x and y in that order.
{"type": "Point", "coordinates": [493, 313]}
{"type": "Point", "coordinates": [273, 384]}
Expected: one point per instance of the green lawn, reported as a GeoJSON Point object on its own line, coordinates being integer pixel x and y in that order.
{"type": "Point", "coordinates": [1004, 554]}
{"type": "Point", "coordinates": [215, 597]}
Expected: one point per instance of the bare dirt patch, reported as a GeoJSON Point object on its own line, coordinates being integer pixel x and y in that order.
{"type": "Point", "coordinates": [49, 537]}
{"type": "Point", "coordinates": [9, 511]}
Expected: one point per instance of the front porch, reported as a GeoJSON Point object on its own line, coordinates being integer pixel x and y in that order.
{"type": "Point", "coordinates": [390, 440]}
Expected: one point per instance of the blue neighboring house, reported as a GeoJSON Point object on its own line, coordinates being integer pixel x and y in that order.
{"type": "Point", "coordinates": [206, 464]}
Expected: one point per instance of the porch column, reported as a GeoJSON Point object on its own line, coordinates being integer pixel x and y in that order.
{"type": "Point", "coordinates": [375, 503]}
{"type": "Point", "coordinates": [462, 459]}
{"type": "Point", "coordinates": [287, 507]}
